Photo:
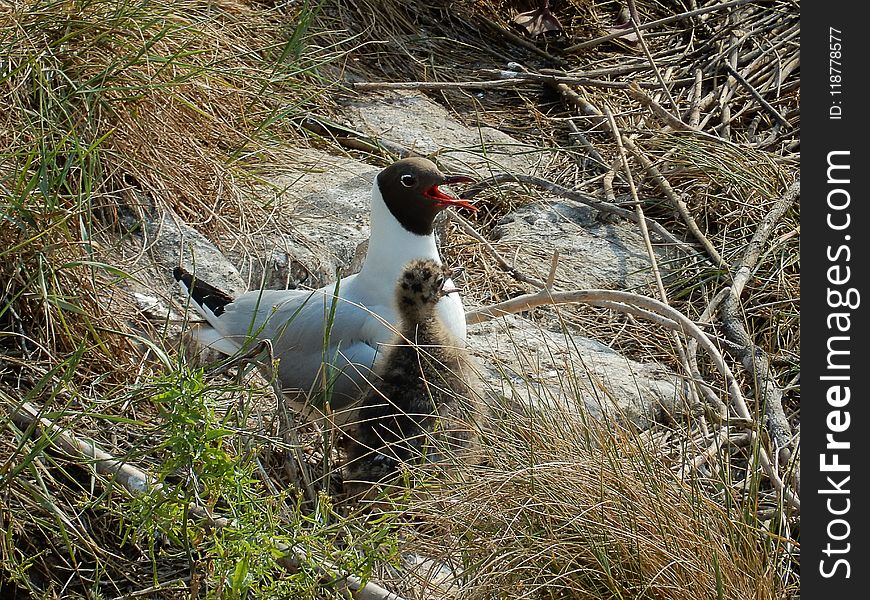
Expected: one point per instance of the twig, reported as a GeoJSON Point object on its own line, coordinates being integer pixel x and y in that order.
{"type": "Point", "coordinates": [607, 181]}
{"type": "Point", "coordinates": [695, 110]}
{"type": "Point", "coordinates": [551, 276]}
{"type": "Point", "coordinates": [658, 110]}
{"type": "Point", "coordinates": [641, 220]}
{"type": "Point", "coordinates": [577, 100]}
{"type": "Point", "coordinates": [595, 297]}
{"type": "Point", "coordinates": [596, 157]}
{"type": "Point", "coordinates": [469, 229]}
{"type": "Point", "coordinates": [677, 202]}
{"type": "Point", "coordinates": [134, 480]}
{"type": "Point", "coordinates": [753, 250]}
{"type": "Point", "coordinates": [711, 451]}
{"type": "Point", "coordinates": [638, 209]}
{"type": "Point", "coordinates": [371, 86]}
{"type": "Point", "coordinates": [581, 198]}
{"type": "Point", "coordinates": [138, 482]}
{"type": "Point", "coordinates": [727, 89]}
{"type": "Point", "coordinates": [635, 24]}
{"type": "Point", "coordinates": [692, 13]}
{"type": "Point", "coordinates": [350, 138]}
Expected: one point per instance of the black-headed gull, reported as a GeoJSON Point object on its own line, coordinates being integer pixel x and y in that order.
{"type": "Point", "coordinates": [405, 201]}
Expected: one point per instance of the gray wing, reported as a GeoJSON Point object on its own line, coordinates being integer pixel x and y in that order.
{"type": "Point", "coordinates": [295, 322]}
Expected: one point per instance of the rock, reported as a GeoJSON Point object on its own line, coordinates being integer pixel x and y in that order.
{"type": "Point", "coordinates": [171, 242]}
{"type": "Point", "coordinates": [321, 208]}
{"type": "Point", "coordinates": [540, 369]}
{"type": "Point", "coordinates": [592, 254]}
{"type": "Point", "coordinates": [411, 119]}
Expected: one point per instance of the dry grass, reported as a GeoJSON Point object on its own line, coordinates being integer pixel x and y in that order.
{"type": "Point", "coordinates": [577, 510]}
{"type": "Point", "coordinates": [118, 107]}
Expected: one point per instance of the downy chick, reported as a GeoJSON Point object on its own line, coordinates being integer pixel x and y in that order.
{"type": "Point", "coordinates": [424, 398]}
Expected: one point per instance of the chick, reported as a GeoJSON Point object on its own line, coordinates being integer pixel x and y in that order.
{"type": "Point", "coordinates": [425, 396]}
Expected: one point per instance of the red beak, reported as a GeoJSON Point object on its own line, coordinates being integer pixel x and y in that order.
{"type": "Point", "coordinates": [444, 200]}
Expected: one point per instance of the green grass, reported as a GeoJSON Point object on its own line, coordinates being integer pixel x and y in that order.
{"type": "Point", "coordinates": [114, 108]}
{"type": "Point", "coordinates": [109, 102]}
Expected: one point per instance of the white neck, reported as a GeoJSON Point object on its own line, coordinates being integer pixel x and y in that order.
{"type": "Point", "coordinates": [391, 246]}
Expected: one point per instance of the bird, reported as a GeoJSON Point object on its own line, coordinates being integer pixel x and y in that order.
{"type": "Point", "coordinates": [333, 364]}
{"type": "Point", "coordinates": [427, 395]}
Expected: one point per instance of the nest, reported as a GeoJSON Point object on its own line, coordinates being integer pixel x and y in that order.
{"type": "Point", "coordinates": [117, 110]}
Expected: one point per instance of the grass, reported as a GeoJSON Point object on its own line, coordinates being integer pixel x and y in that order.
{"type": "Point", "coordinates": [574, 508]}
{"type": "Point", "coordinates": [117, 109]}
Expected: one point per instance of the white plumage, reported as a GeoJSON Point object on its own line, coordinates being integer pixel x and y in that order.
{"type": "Point", "coordinates": [366, 314]}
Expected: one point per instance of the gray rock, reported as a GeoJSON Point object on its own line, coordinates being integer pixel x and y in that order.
{"type": "Point", "coordinates": [323, 229]}
{"type": "Point", "coordinates": [171, 242]}
{"type": "Point", "coordinates": [411, 119]}
{"type": "Point", "coordinates": [540, 369]}
{"type": "Point", "coordinates": [593, 254]}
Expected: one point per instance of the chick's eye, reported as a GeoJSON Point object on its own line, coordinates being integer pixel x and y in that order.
{"type": "Point", "coordinates": [408, 180]}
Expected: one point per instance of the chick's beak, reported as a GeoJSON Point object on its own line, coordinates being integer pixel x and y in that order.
{"type": "Point", "coordinates": [449, 289]}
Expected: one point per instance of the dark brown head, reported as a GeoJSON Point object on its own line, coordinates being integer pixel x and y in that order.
{"type": "Point", "coordinates": [409, 188]}
{"type": "Point", "coordinates": [422, 285]}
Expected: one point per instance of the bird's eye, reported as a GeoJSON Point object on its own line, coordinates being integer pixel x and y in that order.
{"type": "Point", "coordinates": [408, 180]}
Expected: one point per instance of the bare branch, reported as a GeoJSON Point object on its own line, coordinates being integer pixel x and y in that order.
{"type": "Point", "coordinates": [138, 482]}
{"type": "Point", "coordinates": [595, 297]}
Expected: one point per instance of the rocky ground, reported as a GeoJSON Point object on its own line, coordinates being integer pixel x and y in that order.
{"type": "Point", "coordinates": [241, 141]}
{"type": "Point", "coordinates": [325, 199]}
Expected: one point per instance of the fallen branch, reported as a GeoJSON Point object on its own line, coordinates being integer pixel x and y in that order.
{"type": "Point", "coordinates": [764, 230]}
{"type": "Point", "coordinates": [767, 391]}
{"type": "Point", "coordinates": [507, 79]}
{"type": "Point", "coordinates": [595, 297]}
{"type": "Point", "coordinates": [137, 482]}
{"type": "Point", "coordinates": [754, 359]}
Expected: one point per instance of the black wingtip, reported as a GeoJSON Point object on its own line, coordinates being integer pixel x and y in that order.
{"type": "Point", "coordinates": [182, 275]}
{"type": "Point", "coordinates": [202, 293]}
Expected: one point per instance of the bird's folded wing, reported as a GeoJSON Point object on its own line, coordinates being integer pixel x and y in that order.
{"type": "Point", "coordinates": [295, 321]}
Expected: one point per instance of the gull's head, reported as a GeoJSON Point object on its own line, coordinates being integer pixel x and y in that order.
{"type": "Point", "coordinates": [411, 191]}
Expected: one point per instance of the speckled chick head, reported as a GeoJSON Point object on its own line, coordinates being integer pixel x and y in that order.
{"type": "Point", "coordinates": [422, 284]}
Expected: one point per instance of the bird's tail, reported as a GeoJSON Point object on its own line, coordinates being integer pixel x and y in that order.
{"type": "Point", "coordinates": [208, 301]}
